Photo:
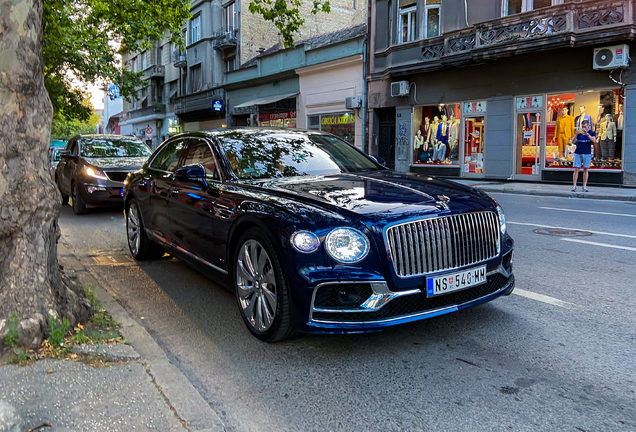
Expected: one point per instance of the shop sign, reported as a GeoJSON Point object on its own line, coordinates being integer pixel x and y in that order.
{"type": "Point", "coordinates": [472, 107]}
{"type": "Point", "coordinates": [174, 129]}
{"type": "Point", "coordinates": [217, 105]}
{"type": "Point", "coordinates": [527, 134]}
{"type": "Point", "coordinates": [530, 102]}
{"type": "Point", "coordinates": [277, 116]}
{"type": "Point", "coordinates": [338, 119]}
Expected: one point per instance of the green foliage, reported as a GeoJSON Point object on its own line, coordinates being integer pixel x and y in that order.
{"type": "Point", "coordinates": [13, 336]}
{"type": "Point", "coordinates": [21, 355]}
{"type": "Point", "coordinates": [64, 128]}
{"type": "Point", "coordinates": [100, 317]}
{"type": "Point", "coordinates": [91, 295]}
{"type": "Point", "coordinates": [83, 40]}
{"type": "Point", "coordinates": [57, 331]}
{"type": "Point", "coordinates": [286, 15]}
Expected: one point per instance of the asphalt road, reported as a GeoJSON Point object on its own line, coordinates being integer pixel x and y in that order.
{"type": "Point", "coordinates": [557, 355]}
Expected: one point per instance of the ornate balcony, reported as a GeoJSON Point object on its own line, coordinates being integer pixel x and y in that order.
{"type": "Point", "coordinates": [154, 72]}
{"type": "Point", "coordinates": [225, 38]}
{"type": "Point", "coordinates": [179, 58]}
{"type": "Point", "coordinates": [570, 24]}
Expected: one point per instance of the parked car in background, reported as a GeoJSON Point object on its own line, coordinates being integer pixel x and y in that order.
{"type": "Point", "coordinates": [54, 155]}
{"type": "Point", "coordinates": [92, 169]}
{"type": "Point", "coordinates": [315, 236]}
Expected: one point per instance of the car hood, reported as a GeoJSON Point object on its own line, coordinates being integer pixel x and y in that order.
{"type": "Point", "coordinates": [117, 163]}
{"type": "Point", "coordinates": [382, 196]}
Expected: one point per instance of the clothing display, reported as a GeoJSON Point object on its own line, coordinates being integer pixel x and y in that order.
{"type": "Point", "coordinates": [443, 130]}
{"type": "Point", "coordinates": [569, 151]}
{"type": "Point", "coordinates": [418, 141]}
{"type": "Point", "coordinates": [439, 151]}
{"type": "Point", "coordinates": [580, 118]}
{"type": "Point", "coordinates": [563, 131]}
{"type": "Point", "coordinates": [584, 143]}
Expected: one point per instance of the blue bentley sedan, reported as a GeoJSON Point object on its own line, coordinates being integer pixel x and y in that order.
{"type": "Point", "coordinates": [315, 236]}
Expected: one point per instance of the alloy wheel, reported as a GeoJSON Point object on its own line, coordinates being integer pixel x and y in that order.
{"type": "Point", "coordinates": [132, 229]}
{"type": "Point", "coordinates": [256, 286]}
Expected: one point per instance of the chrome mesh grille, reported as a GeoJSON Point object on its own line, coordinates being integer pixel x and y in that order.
{"type": "Point", "coordinates": [431, 245]}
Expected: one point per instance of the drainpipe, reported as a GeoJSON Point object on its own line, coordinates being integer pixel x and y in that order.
{"type": "Point", "coordinates": [364, 96]}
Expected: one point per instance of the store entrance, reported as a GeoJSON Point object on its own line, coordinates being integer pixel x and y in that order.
{"type": "Point", "coordinates": [386, 144]}
{"type": "Point", "coordinates": [474, 146]}
{"type": "Point", "coordinates": [528, 146]}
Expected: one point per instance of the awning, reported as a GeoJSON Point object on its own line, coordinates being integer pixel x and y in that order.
{"type": "Point", "coordinates": [265, 100]}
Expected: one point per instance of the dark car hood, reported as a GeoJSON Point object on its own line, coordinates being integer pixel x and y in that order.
{"type": "Point", "coordinates": [117, 163]}
{"type": "Point", "coordinates": [381, 196]}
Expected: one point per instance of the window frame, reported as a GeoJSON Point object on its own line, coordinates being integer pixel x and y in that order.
{"type": "Point", "coordinates": [411, 11]}
{"type": "Point", "coordinates": [195, 23]}
{"type": "Point", "coordinates": [144, 61]}
{"type": "Point", "coordinates": [234, 14]}
{"type": "Point", "coordinates": [425, 29]}
{"type": "Point", "coordinates": [526, 6]}
{"type": "Point", "coordinates": [195, 141]}
{"type": "Point", "coordinates": [185, 140]}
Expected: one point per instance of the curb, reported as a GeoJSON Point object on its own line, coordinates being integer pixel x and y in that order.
{"type": "Point", "coordinates": [181, 396]}
{"type": "Point", "coordinates": [564, 194]}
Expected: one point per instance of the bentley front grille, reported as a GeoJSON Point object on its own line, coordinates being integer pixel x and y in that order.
{"type": "Point", "coordinates": [443, 243]}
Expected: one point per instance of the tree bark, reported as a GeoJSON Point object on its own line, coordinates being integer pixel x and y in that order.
{"type": "Point", "coordinates": [30, 280]}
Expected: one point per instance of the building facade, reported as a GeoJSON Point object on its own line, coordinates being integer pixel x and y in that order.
{"type": "Point", "coordinates": [496, 89]}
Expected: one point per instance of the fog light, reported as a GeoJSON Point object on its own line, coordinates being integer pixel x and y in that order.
{"type": "Point", "coordinates": [349, 295]}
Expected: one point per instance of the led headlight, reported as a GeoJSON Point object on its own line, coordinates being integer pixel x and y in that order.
{"type": "Point", "coordinates": [347, 245]}
{"type": "Point", "coordinates": [305, 241]}
{"type": "Point", "coordinates": [95, 173]}
{"type": "Point", "coordinates": [502, 219]}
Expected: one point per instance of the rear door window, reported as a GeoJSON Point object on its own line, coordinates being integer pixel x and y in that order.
{"type": "Point", "coordinates": [168, 157]}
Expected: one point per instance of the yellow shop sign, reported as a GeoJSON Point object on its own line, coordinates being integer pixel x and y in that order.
{"type": "Point", "coordinates": [338, 119]}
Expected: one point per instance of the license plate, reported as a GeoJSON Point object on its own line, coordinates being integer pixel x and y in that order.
{"type": "Point", "coordinates": [455, 281]}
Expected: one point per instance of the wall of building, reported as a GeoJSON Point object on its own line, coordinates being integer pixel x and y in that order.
{"type": "Point", "coordinates": [256, 33]}
{"type": "Point", "coordinates": [324, 88]}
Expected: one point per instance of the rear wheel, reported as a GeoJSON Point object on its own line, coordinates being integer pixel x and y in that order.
{"type": "Point", "coordinates": [261, 290]}
{"type": "Point", "coordinates": [141, 247]}
{"type": "Point", "coordinates": [78, 204]}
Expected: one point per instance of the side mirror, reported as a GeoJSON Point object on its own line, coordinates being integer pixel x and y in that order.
{"type": "Point", "coordinates": [190, 172]}
{"type": "Point", "coordinates": [378, 159]}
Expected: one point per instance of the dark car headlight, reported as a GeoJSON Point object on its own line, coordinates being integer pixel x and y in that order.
{"type": "Point", "coordinates": [502, 220]}
{"type": "Point", "coordinates": [95, 173]}
{"type": "Point", "coordinates": [305, 241]}
{"type": "Point", "coordinates": [347, 245]}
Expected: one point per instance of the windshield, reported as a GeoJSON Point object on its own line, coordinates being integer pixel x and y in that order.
{"type": "Point", "coordinates": [98, 148]}
{"type": "Point", "coordinates": [266, 154]}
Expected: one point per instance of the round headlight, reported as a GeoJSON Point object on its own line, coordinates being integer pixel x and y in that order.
{"type": "Point", "coordinates": [347, 245]}
{"type": "Point", "coordinates": [502, 220]}
{"type": "Point", "coordinates": [305, 241]}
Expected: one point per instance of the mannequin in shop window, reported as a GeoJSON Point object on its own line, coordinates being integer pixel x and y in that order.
{"type": "Point", "coordinates": [425, 129]}
{"type": "Point", "coordinates": [453, 137]}
{"type": "Point", "coordinates": [563, 130]}
{"type": "Point", "coordinates": [583, 116]}
{"type": "Point", "coordinates": [597, 129]}
{"type": "Point", "coordinates": [443, 130]}
{"type": "Point", "coordinates": [432, 133]}
{"type": "Point", "coordinates": [607, 135]}
{"type": "Point", "coordinates": [418, 145]}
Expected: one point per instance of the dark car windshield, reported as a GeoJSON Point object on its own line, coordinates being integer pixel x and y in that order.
{"type": "Point", "coordinates": [98, 148]}
{"type": "Point", "coordinates": [268, 153]}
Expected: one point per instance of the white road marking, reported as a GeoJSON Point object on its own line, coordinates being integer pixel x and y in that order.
{"type": "Point", "coordinates": [577, 229]}
{"type": "Point", "coordinates": [543, 298]}
{"type": "Point", "coordinates": [600, 244]}
{"type": "Point", "coordinates": [588, 211]}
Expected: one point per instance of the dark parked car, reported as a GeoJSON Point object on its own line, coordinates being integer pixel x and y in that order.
{"type": "Point", "coordinates": [315, 236]}
{"type": "Point", "coordinates": [92, 169]}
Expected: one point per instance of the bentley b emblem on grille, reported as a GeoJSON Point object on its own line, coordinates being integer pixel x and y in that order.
{"type": "Point", "coordinates": [442, 202]}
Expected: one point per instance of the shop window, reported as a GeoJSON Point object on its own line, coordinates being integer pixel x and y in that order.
{"type": "Point", "coordinates": [511, 7]}
{"type": "Point", "coordinates": [436, 135]}
{"type": "Point", "coordinates": [474, 137]}
{"type": "Point", "coordinates": [195, 29]}
{"type": "Point", "coordinates": [407, 22]}
{"type": "Point", "coordinates": [313, 122]}
{"type": "Point", "coordinates": [565, 114]}
{"type": "Point", "coordinates": [342, 125]}
{"type": "Point", "coordinates": [431, 19]}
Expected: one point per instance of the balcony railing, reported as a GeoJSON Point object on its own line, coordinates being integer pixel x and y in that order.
{"type": "Point", "coordinates": [154, 72]}
{"type": "Point", "coordinates": [225, 38]}
{"type": "Point", "coordinates": [147, 111]}
{"type": "Point", "coordinates": [179, 58]}
{"type": "Point", "coordinates": [548, 28]}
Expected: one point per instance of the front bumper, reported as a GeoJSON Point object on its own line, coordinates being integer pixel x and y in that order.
{"type": "Point", "coordinates": [102, 193]}
{"type": "Point", "coordinates": [380, 308]}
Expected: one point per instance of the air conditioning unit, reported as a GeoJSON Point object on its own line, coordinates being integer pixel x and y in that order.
{"type": "Point", "coordinates": [611, 57]}
{"type": "Point", "coordinates": [399, 88]}
{"type": "Point", "coordinates": [353, 102]}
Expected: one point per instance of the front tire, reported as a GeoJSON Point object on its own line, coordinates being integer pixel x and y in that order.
{"type": "Point", "coordinates": [140, 246]}
{"type": "Point", "coordinates": [261, 290]}
{"type": "Point", "coordinates": [78, 204]}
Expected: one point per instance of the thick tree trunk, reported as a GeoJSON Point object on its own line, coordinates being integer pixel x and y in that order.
{"type": "Point", "coordinates": [30, 280]}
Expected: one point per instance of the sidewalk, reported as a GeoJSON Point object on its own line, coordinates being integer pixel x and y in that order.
{"type": "Point", "coordinates": [141, 391]}
{"type": "Point", "coordinates": [559, 190]}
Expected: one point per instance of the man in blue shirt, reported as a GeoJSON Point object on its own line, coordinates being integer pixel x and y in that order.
{"type": "Point", "coordinates": [584, 140]}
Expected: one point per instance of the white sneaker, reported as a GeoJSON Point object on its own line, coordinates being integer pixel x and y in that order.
{"type": "Point", "coordinates": [585, 189]}
{"type": "Point", "coordinates": [574, 189]}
